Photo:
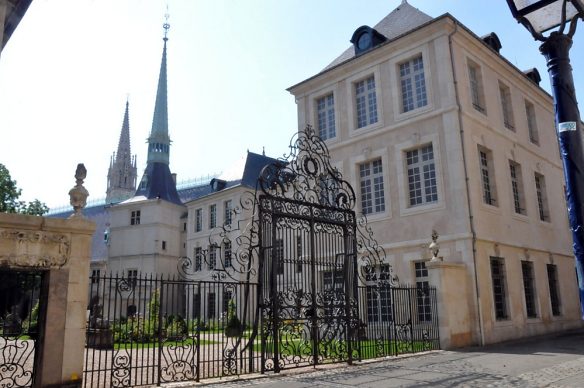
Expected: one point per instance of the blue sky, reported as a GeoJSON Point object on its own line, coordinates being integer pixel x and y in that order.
{"type": "Point", "coordinates": [67, 70]}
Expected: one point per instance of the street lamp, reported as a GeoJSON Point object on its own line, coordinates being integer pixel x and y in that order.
{"type": "Point", "coordinates": [539, 17]}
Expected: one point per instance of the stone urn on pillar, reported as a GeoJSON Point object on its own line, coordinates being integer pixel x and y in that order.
{"type": "Point", "coordinates": [78, 194]}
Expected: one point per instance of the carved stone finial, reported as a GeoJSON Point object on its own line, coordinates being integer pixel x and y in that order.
{"type": "Point", "coordinates": [78, 194]}
{"type": "Point", "coordinates": [434, 247]}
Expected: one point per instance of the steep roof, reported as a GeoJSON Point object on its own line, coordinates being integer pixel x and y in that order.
{"type": "Point", "coordinates": [401, 20]}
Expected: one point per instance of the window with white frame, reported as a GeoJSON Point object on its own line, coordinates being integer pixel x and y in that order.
{"type": "Point", "coordinates": [325, 108]}
{"type": "Point", "coordinates": [228, 212]}
{"type": "Point", "coordinates": [211, 306]}
{"type": "Point", "coordinates": [198, 259]}
{"type": "Point", "coordinates": [499, 288]}
{"type": "Point", "coordinates": [212, 216]}
{"type": "Point", "coordinates": [476, 87]}
{"type": "Point", "coordinates": [132, 276]}
{"type": "Point", "coordinates": [529, 288]}
{"type": "Point", "coordinates": [372, 191]}
{"type": "Point", "coordinates": [506, 106]}
{"type": "Point", "coordinates": [422, 186]}
{"type": "Point", "coordinates": [531, 123]}
{"type": "Point", "coordinates": [413, 84]}
{"type": "Point", "coordinates": [299, 257]}
{"type": "Point", "coordinates": [487, 176]}
{"type": "Point", "coordinates": [227, 254]}
{"type": "Point", "coordinates": [423, 292]}
{"type": "Point", "coordinates": [542, 201]}
{"type": "Point", "coordinates": [378, 295]}
{"type": "Point", "coordinates": [366, 102]}
{"type": "Point", "coordinates": [212, 264]}
{"type": "Point", "coordinates": [135, 217]}
{"type": "Point", "coordinates": [517, 187]}
{"type": "Point", "coordinates": [95, 274]}
{"type": "Point", "coordinates": [198, 220]}
{"type": "Point", "coordinates": [279, 256]}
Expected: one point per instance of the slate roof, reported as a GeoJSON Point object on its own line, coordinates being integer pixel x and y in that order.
{"type": "Point", "coordinates": [249, 173]}
{"type": "Point", "coordinates": [400, 21]}
{"type": "Point", "coordinates": [158, 183]}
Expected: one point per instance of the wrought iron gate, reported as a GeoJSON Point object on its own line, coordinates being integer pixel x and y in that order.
{"type": "Point", "coordinates": [309, 275]}
{"type": "Point", "coordinates": [22, 301]}
{"type": "Point", "coordinates": [297, 281]}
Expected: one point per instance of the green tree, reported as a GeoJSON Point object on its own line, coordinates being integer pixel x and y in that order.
{"type": "Point", "coordinates": [10, 193]}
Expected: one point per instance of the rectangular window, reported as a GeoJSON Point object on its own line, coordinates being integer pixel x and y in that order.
{"type": "Point", "coordinates": [325, 108]}
{"type": "Point", "coordinates": [95, 274]}
{"type": "Point", "coordinates": [163, 245]}
{"type": "Point", "coordinates": [552, 273]}
{"type": "Point", "coordinates": [366, 102]}
{"type": "Point", "coordinates": [332, 280]}
{"type": "Point", "coordinates": [423, 294]}
{"type": "Point", "coordinates": [227, 296]}
{"type": "Point", "coordinates": [299, 257]}
{"type": "Point", "coordinates": [499, 288]}
{"type": "Point", "coordinates": [212, 216]}
{"type": "Point", "coordinates": [135, 217]}
{"type": "Point", "coordinates": [227, 254]}
{"type": "Point", "coordinates": [422, 187]}
{"type": "Point", "coordinates": [517, 187]}
{"type": "Point", "coordinates": [413, 84]}
{"type": "Point", "coordinates": [228, 212]}
{"type": "Point", "coordinates": [476, 87]}
{"type": "Point", "coordinates": [198, 220]}
{"type": "Point", "coordinates": [372, 192]}
{"type": "Point", "coordinates": [279, 256]}
{"type": "Point", "coordinates": [132, 277]}
{"type": "Point", "coordinates": [506, 106]}
{"type": "Point", "coordinates": [198, 259]}
{"type": "Point", "coordinates": [487, 176]}
{"type": "Point", "coordinates": [531, 122]}
{"type": "Point", "coordinates": [542, 202]}
{"type": "Point", "coordinates": [378, 303]}
{"type": "Point", "coordinates": [211, 305]}
{"type": "Point", "coordinates": [212, 264]}
{"type": "Point", "coordinates": [529, 288]}
{"type": "Point", "coordinates": [197, 307]}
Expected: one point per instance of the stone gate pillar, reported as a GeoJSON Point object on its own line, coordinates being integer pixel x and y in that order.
{"type": "Point", "coordinates": [60, 248]}
{"type": "Point", "coordinates": [451, 282]}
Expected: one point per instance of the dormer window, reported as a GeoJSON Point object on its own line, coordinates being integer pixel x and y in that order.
{"type": "Point", "coordinates": [365, 38]}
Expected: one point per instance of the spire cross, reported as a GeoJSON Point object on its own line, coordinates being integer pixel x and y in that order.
{"type": "Point", "coordinates": [166, 26]}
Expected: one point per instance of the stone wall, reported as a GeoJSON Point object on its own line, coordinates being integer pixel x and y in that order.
{"type": "Point", "coordinates": [62, 249]}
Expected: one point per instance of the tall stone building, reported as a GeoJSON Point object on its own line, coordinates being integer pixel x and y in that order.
{"type": "Point", "coordinates": [436, 130]}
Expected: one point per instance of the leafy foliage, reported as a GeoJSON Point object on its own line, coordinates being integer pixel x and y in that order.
{"type": "Point", "coordinates": [10, 193]}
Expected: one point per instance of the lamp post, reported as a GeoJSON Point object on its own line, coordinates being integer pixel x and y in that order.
{"type": "Point", "coordinates": [539, 17]}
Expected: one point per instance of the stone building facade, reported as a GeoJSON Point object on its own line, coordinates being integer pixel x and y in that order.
{"type": "Point", "coordinates": [436, 130]}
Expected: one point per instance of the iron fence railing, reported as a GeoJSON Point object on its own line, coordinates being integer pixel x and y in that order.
{"type": "Point", "coordinates": [147, 330]}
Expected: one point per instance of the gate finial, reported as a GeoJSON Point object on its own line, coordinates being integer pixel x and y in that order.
{"type": "Point", "coordinates": [78, 194]}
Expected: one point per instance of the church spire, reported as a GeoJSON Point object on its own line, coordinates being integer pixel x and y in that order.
{"type": "Point", "coordinates": [122, 174]}
{"type": "Point", "coordinates": [157, 181]}
{"type": "Point", "coordinates": [159, 141]}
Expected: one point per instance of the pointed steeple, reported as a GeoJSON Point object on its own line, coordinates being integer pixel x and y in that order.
{"type": "Point", "coordinates": [157, 181]}
{"type": "Point", "coordinates": [159, 141]}
{"type": "Point", "coordinates": [122, 173]}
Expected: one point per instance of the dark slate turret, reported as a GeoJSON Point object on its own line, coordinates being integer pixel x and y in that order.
{"type": "Point", "coordinates": [157, 181]}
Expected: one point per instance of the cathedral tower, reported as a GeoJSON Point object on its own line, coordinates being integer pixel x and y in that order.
{"type": "Point", "coordinates": [122, 173]}
{"type": "Point", "coordinates": [157, 181]}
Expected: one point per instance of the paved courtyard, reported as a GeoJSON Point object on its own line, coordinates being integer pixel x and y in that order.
{"type": "Point", "coordinates": [550, 361]}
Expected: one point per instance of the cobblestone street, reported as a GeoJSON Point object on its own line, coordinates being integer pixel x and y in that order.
{"type": "Point", "coordinates": [550, 361]}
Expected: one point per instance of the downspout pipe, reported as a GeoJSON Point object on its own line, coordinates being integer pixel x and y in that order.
{"type": "Point", "coordinates": [466, 181]}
